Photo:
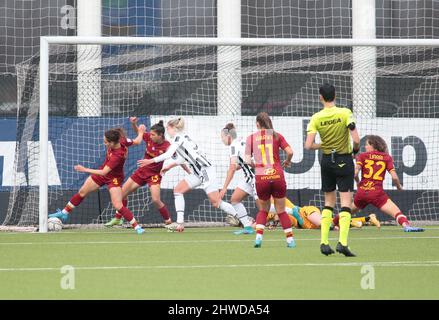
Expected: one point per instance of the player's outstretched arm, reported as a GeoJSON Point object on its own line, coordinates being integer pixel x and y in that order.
{"type": "Point", "coordinates": [395, 180]}
{"type": "Point", "coordinates": [140, 131]}
{"type": "Point", "coordinates": [168, 167]}
{"type": "Point", "coordinates": [133, 121]}
{"type": "Point", "coordinates": [164, 156]}
{"type": "Point", "coordinates": [101, 172]}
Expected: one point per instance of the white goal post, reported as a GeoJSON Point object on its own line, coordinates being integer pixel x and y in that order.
{"type": "Point", "coordinates": [46, 42]}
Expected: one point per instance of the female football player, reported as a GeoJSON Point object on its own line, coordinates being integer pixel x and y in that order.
{"type": "Point", "coordinates": [309, 217]}
{"type": "Point", "coordinates": [156, 144]}
{"type": "Point", "coordinates": [203, 173]}
{"type": "Point", "coordinates": [246, 184]}
{"type": "Point", "coordinates": [264, 146]}
{"type": "Point", "coordinates": [373, 165]}
{"type": "Point", "coordinates": [110, 173]}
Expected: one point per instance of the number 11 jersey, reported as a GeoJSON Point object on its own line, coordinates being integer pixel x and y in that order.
{"type": "Point", "coordinates": [264, 146]}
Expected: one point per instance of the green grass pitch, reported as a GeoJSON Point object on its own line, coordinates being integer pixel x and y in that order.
{"type": "Point", "coordinates": [213, 263]}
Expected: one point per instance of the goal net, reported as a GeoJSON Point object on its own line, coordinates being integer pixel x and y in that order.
{"type": "Point", "coordinates": [392, 91]}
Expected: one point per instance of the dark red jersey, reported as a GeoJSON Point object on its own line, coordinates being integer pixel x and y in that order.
{"type": "Point", "coordinates": [264, 147]}
{"type": "Point", "coordinates": [115, 159]}
{"type": "Point", "coordinates": [154, 150]}
{"type": "Point", "coordinates": [373, 169]}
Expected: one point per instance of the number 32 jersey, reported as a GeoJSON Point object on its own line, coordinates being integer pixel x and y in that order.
{"type": "Point", "coordinates": [373, 169]}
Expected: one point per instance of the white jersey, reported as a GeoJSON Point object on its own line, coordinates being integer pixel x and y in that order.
{"type": "Point", "coordinates": [189, 151]}
{"type": "Point", "coordinates": [237, 149]}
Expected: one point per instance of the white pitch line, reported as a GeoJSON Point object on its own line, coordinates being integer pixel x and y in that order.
{"type": "Point", "coordinates": [227, 266]}
{"type": "Point", "coordinates": [146, 241]}
{"type": "Point", "coordinates": [192, 230]}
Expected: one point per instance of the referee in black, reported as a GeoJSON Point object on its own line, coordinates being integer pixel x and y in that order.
{"type": "Point", "coordinates": [336, 126]}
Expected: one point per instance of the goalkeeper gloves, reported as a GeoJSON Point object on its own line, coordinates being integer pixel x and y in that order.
{"type": "Point", "coordinates": [295, 214]}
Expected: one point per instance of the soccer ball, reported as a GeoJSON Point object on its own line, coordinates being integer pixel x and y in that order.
{"type": "Point", "coordinates": [54, 224]}
{"type": "Point", "coordinates": [175, 227]}
{"type": "Point", "coordinates": [232, 220]}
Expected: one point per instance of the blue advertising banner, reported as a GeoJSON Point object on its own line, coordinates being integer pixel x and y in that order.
{"type": "Point", "coordinates": [71, 141]}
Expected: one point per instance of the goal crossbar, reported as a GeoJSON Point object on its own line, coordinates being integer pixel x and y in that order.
{"type": "Point", "coordinates": [345, 42]}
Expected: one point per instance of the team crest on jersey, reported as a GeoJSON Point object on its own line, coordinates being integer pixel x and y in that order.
{"type": "Point", "coordinates": [369, 185]}
{"type": "Point", "coordinates": [270, 171]}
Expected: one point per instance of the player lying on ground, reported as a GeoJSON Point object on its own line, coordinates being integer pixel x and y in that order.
{"type": "Point", "coordinates": [246, 183]}
{"type": "Point", "coordinates": [110, 173]}
{"type": "Point", "coordinates": [263, 146]}
{"type": "Point", "coordinates": [373, 165]}
{"type": "Point", "coordinates": [156, 144]}
{"type": "Point", "coordinates": [203, 173]}
{"type": "Point", "coordinates": [358, 222]}
{"type": "Point", "coordinates": [308, 217]}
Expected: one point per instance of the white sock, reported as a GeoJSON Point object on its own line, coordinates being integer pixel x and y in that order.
{"type": "Point", "coordinates": [133, 222]}
{"type": "Point", "coordinates": [290, 238]}
{"type": "Point", "coordinates": [228, 208]}
{"type": "Point", "coordinates": [259, 235]}
{"type": "Point", "coordinates": [179, 206]}
{"type": "Point", "coordinates": [242, 214]}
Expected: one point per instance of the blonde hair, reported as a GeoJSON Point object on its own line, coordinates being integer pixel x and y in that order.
{"type": "Point", "coordinates": [178, 124]}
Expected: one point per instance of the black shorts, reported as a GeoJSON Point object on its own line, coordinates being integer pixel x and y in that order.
{"type": "Point", "coordinates": [337, 171]}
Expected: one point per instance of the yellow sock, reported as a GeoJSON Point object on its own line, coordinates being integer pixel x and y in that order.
{"type": "Point", "coordinates": [344, 222]}
{"type": "Point", "coordinates": [355, 220]}
{"type": "Point", "coordinates": [326, 224]}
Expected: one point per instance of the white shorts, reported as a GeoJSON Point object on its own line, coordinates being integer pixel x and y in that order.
{"type": "Point", "coordinates": [208, 180]}
{"type": "Point", "coordinates": [248, 187]}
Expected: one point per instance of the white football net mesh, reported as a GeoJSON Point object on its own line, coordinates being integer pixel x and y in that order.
{"type": "Point", "coordinates": [159, 82]}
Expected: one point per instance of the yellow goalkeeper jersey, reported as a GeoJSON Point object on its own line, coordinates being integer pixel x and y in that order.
{"type": "Point", "coordinates": [304, 212]}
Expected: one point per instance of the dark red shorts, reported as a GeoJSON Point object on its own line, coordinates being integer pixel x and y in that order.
{"type": "Point", "coordinates": [113, 182]}
{"type": "Point", "coordinates": [142, 176]}
{"type": "Point", "coordinates": [377, 198]}
{"type": "Point", "coordinates": [276, 188]}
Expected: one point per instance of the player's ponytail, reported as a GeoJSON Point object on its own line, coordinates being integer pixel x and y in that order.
{"type": "Point", "coordinates": [378, 143]}
{"type": "Point", "coordinates": [159, 128]}
{"type": "Point", "coordinates": [230, 130]}
{"type": "Point", "coordinates": [113, 135]}
{"type": "Point", "coordinates": [178, 124]}
{"type": "Point", "coordinates": [265, 122]}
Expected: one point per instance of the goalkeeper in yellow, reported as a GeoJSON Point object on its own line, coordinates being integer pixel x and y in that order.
{"type": "Point", "coordinates": [309, 217]}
